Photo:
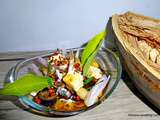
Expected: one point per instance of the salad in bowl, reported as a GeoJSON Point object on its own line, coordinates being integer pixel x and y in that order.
{"type": "Point", "coordinates": [65, 82]}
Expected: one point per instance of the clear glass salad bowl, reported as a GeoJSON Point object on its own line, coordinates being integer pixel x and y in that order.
{"type": "Point", "coordinates": [105, 58]}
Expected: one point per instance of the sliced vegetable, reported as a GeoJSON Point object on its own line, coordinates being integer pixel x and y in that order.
{"type": "Point", "coordinates": [42, 61]}
{"type": "Point", "coordinates": [88, 80]}
{"type": "Point", "coordinates": [26, 84]}
{"type": "Point", "coordinates": [71, 63]}
{"type": "Point", "coordinates": [59, 75]}
{"type": "Point", "coordinates": [94, 93]}
{"type": "Point", "coordinates": [35, 69]}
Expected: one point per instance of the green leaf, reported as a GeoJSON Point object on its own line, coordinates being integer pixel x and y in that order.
{"type": "Point", "coordinates": [90, 60]}
{"type": "Point", "coordinates": [91, 46]}
{"type": "Point", "coordinates": [91, 50]}
{"type": "Point", "coordinates": [26, 84]}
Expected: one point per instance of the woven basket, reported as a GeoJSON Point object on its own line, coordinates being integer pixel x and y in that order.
{"type": "Point", "coordinates": [143, 72]}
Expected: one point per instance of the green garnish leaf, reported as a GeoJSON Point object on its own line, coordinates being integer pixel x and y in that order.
{"type": "Point", "coordinates": [26, 84]}
{"type": "Point", "coordinates": [91, 46]}
{"type": "Point", "coordinates": [90, 51]}
{"type": "Point", "coordinates": [89, 61]}
{"type": "Point", "coordinates": [88, 80]}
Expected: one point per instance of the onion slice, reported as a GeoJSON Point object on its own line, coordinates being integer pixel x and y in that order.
{"type": "Point", "coordinates": [71, 63]}
{"type": "Point", "coordinates": [42, 61]}
{"type": "Point", "coordinates": [93, 94]}
{"type": "Point", "coordinates": [35, 69]}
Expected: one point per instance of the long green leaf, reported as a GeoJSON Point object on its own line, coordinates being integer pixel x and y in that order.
{"type": "Point", "coordinates": [90, 59]}
{"type": "Point", "coordinates": [91, 46]}
{"type": "Point", "coordinates": [26, 84]}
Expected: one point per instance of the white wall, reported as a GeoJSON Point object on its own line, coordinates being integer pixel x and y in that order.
{"type": "Point", "coordinates": [27, 25]}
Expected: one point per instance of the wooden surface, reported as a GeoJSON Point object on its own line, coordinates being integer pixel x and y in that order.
{"type": "Point", "coordinates": [123, 104]}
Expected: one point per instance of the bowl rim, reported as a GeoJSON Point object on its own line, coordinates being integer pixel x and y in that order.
{"type": "Point", "coordinates": [43, 110]}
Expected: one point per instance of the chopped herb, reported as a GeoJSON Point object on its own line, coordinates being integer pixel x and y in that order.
{"type": "Point", "coordinates": [88, 80]}
{"type": "Point", "coordinates": [49, 67]}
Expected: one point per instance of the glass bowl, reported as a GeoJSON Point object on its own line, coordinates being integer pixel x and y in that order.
{"type": "Point", "coordinates": [105, 57]}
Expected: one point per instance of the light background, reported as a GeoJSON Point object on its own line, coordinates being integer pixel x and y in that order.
{"type": "Point", "coordinates": [29, 25]}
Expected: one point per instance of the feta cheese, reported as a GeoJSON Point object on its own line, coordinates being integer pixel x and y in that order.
{"type": "Point", "coordinates": [74, 81]}
{"type": "Point", "coordinates": [33, 94]}
{"type": "Point", "coordinates": [95, 72]}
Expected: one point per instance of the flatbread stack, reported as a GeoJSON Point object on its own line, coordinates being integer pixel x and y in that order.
{"type": "Point", "coordinates": [138, 40]}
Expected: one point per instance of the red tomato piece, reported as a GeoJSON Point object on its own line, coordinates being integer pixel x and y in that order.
{"type": "Point", "coordinates": [38, 101]}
